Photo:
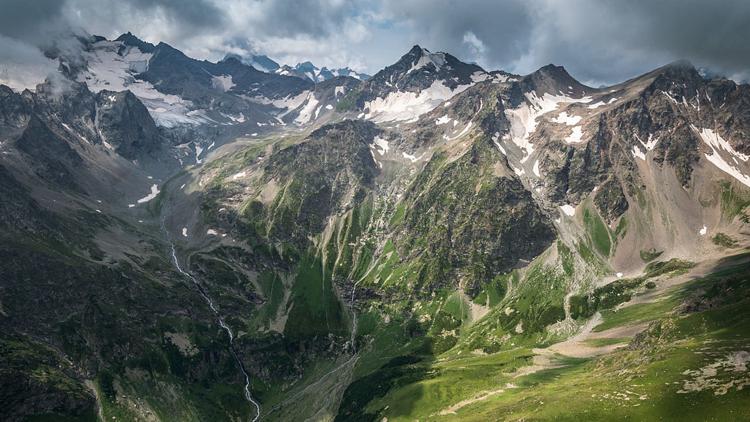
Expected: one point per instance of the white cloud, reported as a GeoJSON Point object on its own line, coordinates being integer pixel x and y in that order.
{"type": "Point", "coordinates": [476, 46]}
{"type": "Point", "coordinates": [22, 65]}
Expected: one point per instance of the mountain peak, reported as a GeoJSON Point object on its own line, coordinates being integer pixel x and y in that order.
{"type": "Point", "coordinates": [679, 64]}
{"type": "Point", "coordinates": [259, 62]}
{"type": "Point", "coordinates": [131, 40]}
{"type": "Point", "coordinates": [680, 69]}
{"type": "Point", "coordinates": [553, 71]}
{"type": "Point", "coordinates": [553, 79]}
{"type": "Point", "coordinates": [308, 70]}
{"type": "Point", "coordinates": [417, 50]}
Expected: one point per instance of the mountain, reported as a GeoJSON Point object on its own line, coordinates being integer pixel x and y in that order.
{"type": "Point", "coordinates": [309, 71]}
{"type": "Point", "coordinates": [260, 62]}
{"type": "Point", "coordinates": [415, 84]}
{"type": "Point", "coordinates": [189, 240]}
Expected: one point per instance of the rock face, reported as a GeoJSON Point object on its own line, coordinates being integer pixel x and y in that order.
{"type": "Point", "coordinates": [469, 223]}
{"type": "Point", "coordinates": [124, 122]}
{"type": "Point", "coordinates": [52, 156]}
{"type": "Point", "coordinates": [322, 177]}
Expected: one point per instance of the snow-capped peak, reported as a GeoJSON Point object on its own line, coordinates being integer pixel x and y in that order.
{"type": "Point", "coordinates": [307, 70]}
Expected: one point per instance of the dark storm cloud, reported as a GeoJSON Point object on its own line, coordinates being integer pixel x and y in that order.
{"type": "Point", "coordinates": [31, 21]}
{"type": "Point", "coordinates": [501, 26]}
{"type": "Point", "coordinates": [172, 19]}
{"type": "Point", "coordinates": [710, 33]}
{"type": "Point", "coordinates": [192, 13]}
{"type": "Point", "coordinates": [599, 41]}
{"type": "Point", "coordinates": [313, 18]}
{"type": "Point", "coordinates": [41, 21]}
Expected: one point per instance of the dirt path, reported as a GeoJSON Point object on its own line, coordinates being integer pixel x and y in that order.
{"type": "Point", "coordinates": [481, 396]}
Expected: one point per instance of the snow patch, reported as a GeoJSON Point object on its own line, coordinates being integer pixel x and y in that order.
{"type": "Point", "coordinates": [288, 103]}
{"type": "Point", "coordinates": [638, 153]}
{"type": "Point", "coordinates": [184, 232]}
{"type": "Point", "coordinates": [523, 119]}
{"type": "Point", "coordinates": [650, 143]}
{"type": "Point", "coordinates": [718, 144]}
{"type": "Point", "coordinates": [479, 76]}
{"type": "Point", "coordinates": [380, 165]}
{"type": "Point", "coordinates": [569, 210]}
{"type": "Point", "coordinates": [198, 152]}
{"type": "Point", "coordinates": [442, 120]}
{"type": "Point", "coordinates": [412, 158]}
{"type": "Point", "coordinates": [308, 110]}
{"type": "Point", "coordinates": [150, 196]}
{"type": "Point", "coordinates": [495, 137]}
{"type": "Point", "coordinates": [381, 144]}
{"type": "Point", "coordinates": [575, 137]}
{"type": "Point", "coordinates": [460, 134]}
{"type": "Point", "coordinates": [602, 103]}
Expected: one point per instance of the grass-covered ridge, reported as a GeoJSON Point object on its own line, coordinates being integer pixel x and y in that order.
{"type": "Point", "coordinates": [663, 371]}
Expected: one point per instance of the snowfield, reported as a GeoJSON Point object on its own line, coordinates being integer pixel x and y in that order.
{"type": "Point", "coordinates": [108, 70]}
{"type": "Point", "coordinates": [405, 105]}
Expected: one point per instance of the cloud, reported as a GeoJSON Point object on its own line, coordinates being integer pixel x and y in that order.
{"type": "Point", "coordinates": [34, 22]}
{"type": "Point", "coordinates": [599, 41]}
{"type": "Point", "coordinates": [22, 65]}
{"type": "Point", "coordinates": [475, 45]}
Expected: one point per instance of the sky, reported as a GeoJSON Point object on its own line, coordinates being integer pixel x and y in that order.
{"type": "Point", "coordinates": [598, 41]}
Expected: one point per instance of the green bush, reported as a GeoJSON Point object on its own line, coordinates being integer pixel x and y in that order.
{"type": "Point", "coordinates": [650, 255]}
{"type": "Point", "coordinates": [724, 240]}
